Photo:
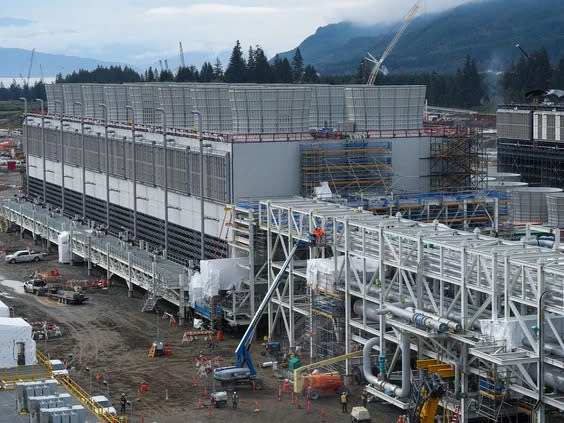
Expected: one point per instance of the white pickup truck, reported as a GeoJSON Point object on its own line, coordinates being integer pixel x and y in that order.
{"type": "Point", "coordinates": [23, 256]}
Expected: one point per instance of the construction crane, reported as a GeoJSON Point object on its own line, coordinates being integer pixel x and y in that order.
{"type": "Point", "coordinates": [161, 65]}
{"type": "Point", "coordinates": [30, 65]}
{"type": "Point", "coordinates": [41, 72]}
{"type": "Point", "coordinates": [378, 63]}
{"type": "Point", "coordinates": [182, 64]}
{"type": "Point", "coordinates": [239, 375]}
{"type": "Point", "coordinates": [166, 64]}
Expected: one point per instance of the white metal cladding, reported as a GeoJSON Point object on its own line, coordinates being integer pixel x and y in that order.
{"type": "Point", "coordinates": [555, 206]}
{"type": "Point", "coordinates": [93, 96]}
{"type": "Point", "coordinates": [54, 92]}
{"type": "Point", "coordinates": [515, 124]}
{"type": "Point", "coordinates": [385, 107]}
{"type": "Point", "coordinates": [72, 93]}
{"type": "Point", "coordinates": [270, 110]}
{"type": "Point", "coordinates": [116, 98]}
{"type": "Point", "coordinates": [547, 125]}
{"type": "Point", "coordinates": [327, 108]}
{"type": "Point", "coordinates": [176, 100]}
{"type": "Point", "coordinates": [529, 203]}
{"type": "Point", "coordinates": [183, 163]}
{"type": "Point", "coordinates": [145, 99]}
{"type": "Point", "coordinates": [212, 101]}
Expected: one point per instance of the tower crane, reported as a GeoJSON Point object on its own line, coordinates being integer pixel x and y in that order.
{"type": "Point", "coordinates": [378, 63]}
{"type": "Point", "coordinates": [182, 64]}
{"type": "Point", "coordinates": [30, 65]}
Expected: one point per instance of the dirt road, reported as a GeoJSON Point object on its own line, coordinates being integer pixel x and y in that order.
{"type": "Point", "coordinates": [110, 336]}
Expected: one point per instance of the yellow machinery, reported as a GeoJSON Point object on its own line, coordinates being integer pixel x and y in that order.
{"type": "Point", "coordinates": [298, 373]}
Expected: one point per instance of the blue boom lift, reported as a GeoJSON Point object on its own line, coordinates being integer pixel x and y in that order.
{"type": "Point", "coordinates": [239, 375]}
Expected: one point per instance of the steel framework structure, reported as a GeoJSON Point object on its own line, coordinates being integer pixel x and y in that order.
{"type": "Point", "coordinates": [461, 277]}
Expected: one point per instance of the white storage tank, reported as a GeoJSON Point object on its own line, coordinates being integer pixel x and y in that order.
{"type": "Point", "coordinates": [116, 98]}
{"type": "Point", "coordinates": [555, 206]}
{"type": "Point", "coordinates": [93, 96]}
{"type": "Point", "coordinates": [504, 176]}
{"type": "Point", "coordinates": [529, 203]}
{"type": "Point", "coordinates": [72, 94]}
{"type": "Point", "coordinates": [212, 101]}
{"type": "Point", "coordinates": [507, 185]}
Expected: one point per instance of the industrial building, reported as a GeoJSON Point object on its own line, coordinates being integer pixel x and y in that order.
{"type": "Point", "coordinates": [529, 142]}
{"type": "Point", "coordinates": [389, 276]}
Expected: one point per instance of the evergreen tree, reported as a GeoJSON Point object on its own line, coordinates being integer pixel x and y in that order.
{"type": "Point", "coordinates": [263, 73]}
{"type": "Point", "coordinates": [281, 70]}
{"type": "Point", "coordinates": [310, 75]}
{"type": "Point", "coordinates": [206, 72]}
{"type": "Point", "coordinates": [251, 66]}
{"type": "Point", "coordinates": [558, 76]}
{"type": "Point", "coordinates": [150, 75]}
{"type": "Point", "coordinates": [297, 66]}
{"type": "Point", "coordinates": [187, 74]}
{"type": "Point", "coordinates": [218, 70]}
{"type": "Point", "coordinates": [235, 71]}
{"type": "Point", "coordinates": [363, 72]}
{"type": "Point", "coordinates": [166, 75]}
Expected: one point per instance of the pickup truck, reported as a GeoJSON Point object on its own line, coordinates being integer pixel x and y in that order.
{"type": "Point", "coordinates": [23, 256]}
{"type": "Point", "coordinates": [35, 286]}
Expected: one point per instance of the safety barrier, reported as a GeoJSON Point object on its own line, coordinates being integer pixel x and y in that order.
{"type": "Point", "coordinates": [84, 398]}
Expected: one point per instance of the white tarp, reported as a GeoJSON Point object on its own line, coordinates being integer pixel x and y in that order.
{"type": "Point", "coordinates": [222, 275]}
{"type": "Point", "coordinates": [12, 332]}
{"type": "Point", "coordinates": [510, 332]}
{"type": "Point", "coordinates": [65, 255]}
{"type": "Point", "coordinates": [4, 310]}
{"type": "Point", "coordinates": [325, 275]}
{"type": "Point", "coordinates": [323, 191]}
{"type": "Point", "coordinates": [195, 291]}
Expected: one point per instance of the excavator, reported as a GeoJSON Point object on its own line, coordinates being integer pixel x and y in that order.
{"type": "Point", "coordinates": [316, 384]}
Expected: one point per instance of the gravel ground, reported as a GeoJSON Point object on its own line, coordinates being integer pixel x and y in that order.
{"type": "Point", "coordinates": [110, 336]}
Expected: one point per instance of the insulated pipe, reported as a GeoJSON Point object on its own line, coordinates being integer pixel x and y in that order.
{"type": "Point", "coordinates": [382, 385]}
{"type": "Point", "coordinates": [553, 349]}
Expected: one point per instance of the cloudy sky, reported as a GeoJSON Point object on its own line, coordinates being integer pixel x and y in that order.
{"type": "Point", "coordinates": [140, 31]}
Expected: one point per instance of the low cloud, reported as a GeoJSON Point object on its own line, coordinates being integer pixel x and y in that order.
{"type": "Point", "coordinates": [6, 21]}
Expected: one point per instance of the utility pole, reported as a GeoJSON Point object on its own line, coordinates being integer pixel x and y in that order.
{"type": "Point", "coordinates": [26, 147]}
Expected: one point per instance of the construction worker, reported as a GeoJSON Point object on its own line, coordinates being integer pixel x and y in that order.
{"type": "Point", "coordinates": [123, 403]}
{"type": "Point", "coordinates": [235, 399]}
{"type": "Point", "coordinates": [344, 400]}
{"type": "Point", "coordinates": [364, 398]}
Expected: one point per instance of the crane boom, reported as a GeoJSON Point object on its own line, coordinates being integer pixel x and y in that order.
{"type": "Point", "coordinates": [182, 64]}
{"type": "Point", "coordinates": [299, 379]}
{"type": "Point", "coordinates": [242, 352]}
{"type": "Point", "coordinates": [30, 65]}
{"type": "Point", "coordinates": [378, 63]}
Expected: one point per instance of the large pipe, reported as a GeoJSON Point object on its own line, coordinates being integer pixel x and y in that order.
{"type": "Point", "coordinates": [553, 349]}
{"type": "Point", "coordinates": [387, 387]}
{"type": "Point", "coordinates": [420, 318]}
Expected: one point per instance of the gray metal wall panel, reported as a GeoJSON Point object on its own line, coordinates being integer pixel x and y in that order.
{"type": "Point", "coordinates": [264, 170]}
{"type": "Point", "coordinates": [411, 165]}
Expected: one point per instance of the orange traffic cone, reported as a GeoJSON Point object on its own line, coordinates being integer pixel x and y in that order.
{"type": "Point", "coordinates": [219, 336]}
{"type": "Point", "coordinates": [257, 409]}
{"type": "Point", "coordinates": [286, 387]}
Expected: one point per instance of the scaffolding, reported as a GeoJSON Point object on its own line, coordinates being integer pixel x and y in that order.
{"type": "Point", "coordinates": [463, 278]}
{"type": "Point", "coordinates": [458, 161]}
{"type": "Point", "coordinates": [348, 167]}
{"type": "Point", "coordinates": [487, 210]}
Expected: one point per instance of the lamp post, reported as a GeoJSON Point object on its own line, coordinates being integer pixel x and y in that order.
{"type": "Point", "coordinates": [202, 227]}
{"type": "Point", "coordinates": [165, 166]}
{"type": "Point", "coordinates": [43, 149]}
{"type": "Point", "coordinates": [90, 379]}
{"type": "Point", "coordinates": [107, 166]}
{"type": "Point", "coordinates": [134, 169]}
{"type": "Point", "coordinates": [26, 146]}
{"type": "Point", "coordinates": [62, 159]}
{"type": "Point", "coordinates": [83, 145]}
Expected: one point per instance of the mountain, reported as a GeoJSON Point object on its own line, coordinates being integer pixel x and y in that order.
{"type": "Point", "coordinates": [486, 30]}
{"type": "Point", "coordinates": [15, 61]}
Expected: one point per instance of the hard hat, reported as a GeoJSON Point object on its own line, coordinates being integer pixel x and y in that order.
{"type": "Point", "coordinates": [123, 394]}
